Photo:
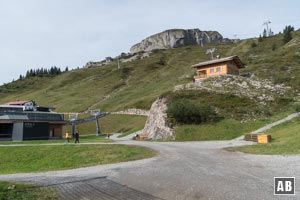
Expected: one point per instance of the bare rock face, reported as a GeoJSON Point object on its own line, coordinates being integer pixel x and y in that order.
{"type": "Point", "coordinates": [156, 126]}
{"type": "Point", "coordinates": [176, 38]}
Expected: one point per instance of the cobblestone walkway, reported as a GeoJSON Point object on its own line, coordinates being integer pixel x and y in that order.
{"type": "Point", "coordinates": [99, 188]}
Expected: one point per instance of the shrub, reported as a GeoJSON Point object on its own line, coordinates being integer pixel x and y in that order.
{"type": "Point", "coordinates": [297, 107]}
{"type": "Point", "coordinates": [260, 39]}
{"type": "Point", "coordinates": [125, 72]}
{"type": "Point", "coordinates": [253, 44]}
{"type": "Point", "coordinates": [162, 60]}
{"type": "Point", "coordinates": [287, 33]}
{"type": "Point", "coordinates": [274, 47]}
{"type": "Point", "coordinates": [186, 112]}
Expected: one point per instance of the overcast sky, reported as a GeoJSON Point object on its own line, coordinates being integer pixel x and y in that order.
{"type": "Point", "coordinates": [45, 33]}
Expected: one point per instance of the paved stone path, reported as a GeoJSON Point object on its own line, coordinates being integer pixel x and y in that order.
{"type": "Point", "coordinates": [99, 188]}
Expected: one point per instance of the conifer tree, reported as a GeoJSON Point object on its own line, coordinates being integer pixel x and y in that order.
{"type": "Point", "coordinates": [287, 33]}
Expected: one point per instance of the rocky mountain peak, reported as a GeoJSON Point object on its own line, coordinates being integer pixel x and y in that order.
{"type": "Point", "coordinates": [176, 38]}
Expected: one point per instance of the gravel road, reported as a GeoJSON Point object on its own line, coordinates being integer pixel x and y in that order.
{"type": "Point", "coordinates": [181, 170]}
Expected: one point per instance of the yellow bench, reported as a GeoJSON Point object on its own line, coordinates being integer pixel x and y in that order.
{"type": "Point", "coordinates": [263, 138]}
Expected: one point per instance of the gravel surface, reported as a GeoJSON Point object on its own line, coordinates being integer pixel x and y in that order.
{"type": "Point", "coordinates": [182, 170]}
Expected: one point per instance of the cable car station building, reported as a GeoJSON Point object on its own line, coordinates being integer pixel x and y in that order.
{"type": "Point", "coordinates": [23, 120]}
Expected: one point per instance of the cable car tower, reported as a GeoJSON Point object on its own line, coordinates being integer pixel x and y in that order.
{"type": "Point", "coordinates": [94, 115]}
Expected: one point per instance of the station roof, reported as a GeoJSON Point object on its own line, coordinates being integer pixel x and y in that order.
{"type": "Point", "coordinates": [16, 102]}
{"type": "Point", "coordinates": [13, 117]}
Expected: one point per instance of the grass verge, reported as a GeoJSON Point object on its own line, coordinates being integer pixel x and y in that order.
{"type": "Point", "coordinates": [223, 130]}
{"type": "Point", "coordinates": [82, 139]}
{"type": "Point", "coordinates": [11, 190]}
{"type": "Point", "coordinates": [285, 140]}
{"type": "Point", "coordinates": [45, 158]}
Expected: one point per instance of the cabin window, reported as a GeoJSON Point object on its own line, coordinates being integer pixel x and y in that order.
{"type": "Point", "coordinates": [218, 69]}
{"type": "Point", "coordinates": [211, 70]}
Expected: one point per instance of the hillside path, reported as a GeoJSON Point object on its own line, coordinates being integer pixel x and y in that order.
{"type": "Point", "coordinates": [269, 126]}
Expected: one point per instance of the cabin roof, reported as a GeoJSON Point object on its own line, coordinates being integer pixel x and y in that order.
{"type": "Point", "coordinates": [234, 58]}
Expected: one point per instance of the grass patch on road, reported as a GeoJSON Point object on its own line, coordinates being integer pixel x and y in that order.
{"type": "Point", "coordinates": [11, 190]}
{"type": "Point", "coordinates": [45, 158]}
{"type": "Point", "coordinates": [285, 140]}
{"type": "Point", "coordinates": [223, 130]}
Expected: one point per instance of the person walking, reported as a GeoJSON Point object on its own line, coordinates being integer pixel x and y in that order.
{"type": "Point", "coordinates": [77, 137]}
{"type": "Point", "coordinates": [67, 137]}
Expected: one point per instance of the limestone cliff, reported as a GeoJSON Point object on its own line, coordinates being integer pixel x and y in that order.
{"type": "Point", "coordinates": [156, 126]}
{"type": "Point", "coordinates": [175, 38]}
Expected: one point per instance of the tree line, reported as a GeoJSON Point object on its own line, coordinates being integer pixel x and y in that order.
{"type": "Point", "coordinates": [41, 72]}
{"type": "Point", "coordinates": [287, 34]}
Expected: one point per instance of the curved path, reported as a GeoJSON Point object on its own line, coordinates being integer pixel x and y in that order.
{"type": "Point", "coordinates": [269, 126]}
{"type": "Point", "coordinates": [181, 170]}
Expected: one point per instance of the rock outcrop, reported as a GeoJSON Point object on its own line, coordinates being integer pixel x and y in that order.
{"type": "Point", "coordinates": [176, 38]}
{"type": "Point", "coordinates": [156, 126]}
{"type": "Point", "coordinates": [260, 91]}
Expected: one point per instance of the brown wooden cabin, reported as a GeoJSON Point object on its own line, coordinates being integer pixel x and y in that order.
{"type": "Point", "coordinates": [229, 65]}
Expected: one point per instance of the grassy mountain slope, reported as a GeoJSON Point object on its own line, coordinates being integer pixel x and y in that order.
{"type": "Point", "coordinates": [137, 84]}
{"type": "Point", "coordinates": [140, 82]}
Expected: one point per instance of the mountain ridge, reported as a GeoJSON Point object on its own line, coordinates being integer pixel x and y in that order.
{"type": "Point", "coordinates": [173, 38]}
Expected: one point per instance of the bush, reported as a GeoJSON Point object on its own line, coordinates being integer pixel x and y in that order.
{"type": "Point", "coordinates": [162, 60]}
{"type": "Point", "coordinates": [186, 112]}
{"type": "Point", "coordinates": [260, 39]}
{"type": "Point", "coordinates": [125, 72]}
{"type": "Point", "coordinates": [296, 107]}
{"type": "Point", "coordinates": [287, 33]}
{"type": "Point", "coordinates": [253, 44]}
{"type": "Point", "coordinates": [274, 47]}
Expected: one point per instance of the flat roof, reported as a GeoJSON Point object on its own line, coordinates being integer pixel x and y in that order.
{"type": "Point", "coordinates": [13, 117]}
{"type": "Point", "coordinates": [234, 58]}
{"type": "Point", "coordinates": [16, 102]}
{"type": "Point", "coordinates": [35, 116]}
